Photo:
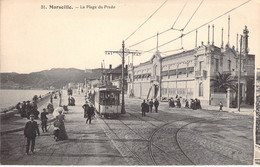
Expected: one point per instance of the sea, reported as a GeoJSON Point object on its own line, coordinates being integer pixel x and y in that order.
{"type": "Point", "coordinates": [10, 97]}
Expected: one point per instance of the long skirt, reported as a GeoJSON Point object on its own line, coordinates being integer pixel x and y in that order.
{"type": "Point", "coordinates": [62, 133]}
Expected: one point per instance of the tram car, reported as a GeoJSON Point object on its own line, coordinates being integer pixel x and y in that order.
{"type": "Point", "coordinates": [107, 101]}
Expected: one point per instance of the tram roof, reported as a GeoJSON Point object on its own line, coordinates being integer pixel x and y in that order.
{"type": "Point", "coordinates": [108, 88]}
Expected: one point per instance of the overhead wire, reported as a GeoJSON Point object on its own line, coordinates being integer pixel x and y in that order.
{"type": "Point", "coordinates": [172, 28]}
{"type": "Point", "coordinates": [182, 35]}
{"type": "Point", "coordinates": [146, 20]}
{"type": "Point", "coordinates": [149, 38]}
{"type": "Point", "coordinates": [180, 13]}
{"type": "Point", "coordinates": [192, 15]}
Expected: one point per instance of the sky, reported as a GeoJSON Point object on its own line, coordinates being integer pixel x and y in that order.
{"type": "Point", "coordinates": [34, 39]}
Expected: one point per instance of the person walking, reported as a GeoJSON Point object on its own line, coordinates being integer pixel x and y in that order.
{"type": "Point", "coordinates": [156, 105]}
{"type": "Point", "coordinates": [30, 130]}
{"type": "Point", "coordinates": [143, 108]}
{"type": "Point", "coordinates": [220, 106]}
{"type": "Point", "coordinates": [151, 105]}
{"type": "Point", "coordinates": [44, 119]}
{"type": "Point", "coordinates": [90, 113]}
{"type": "Point", "coordinates": [85, 107]}
{"type": "Point", "coordinates": [62, 134]}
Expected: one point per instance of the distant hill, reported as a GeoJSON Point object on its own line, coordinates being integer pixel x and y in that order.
{"type": "Point", "coordinates": [56, 77]}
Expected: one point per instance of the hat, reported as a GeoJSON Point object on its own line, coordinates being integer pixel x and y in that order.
{"type": "Point", "coordinates": [44, 109]}
{"type": "Point", "coordinates": [31, 115]}
{"type": "Point", "coordinates": [60, 111]}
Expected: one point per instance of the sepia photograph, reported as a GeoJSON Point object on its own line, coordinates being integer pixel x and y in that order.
{"type": "Point", "coordinates": [129, 82]}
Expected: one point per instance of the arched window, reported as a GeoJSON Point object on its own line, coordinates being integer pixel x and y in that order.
{"type": "Point", "coordinates": [200, 89]}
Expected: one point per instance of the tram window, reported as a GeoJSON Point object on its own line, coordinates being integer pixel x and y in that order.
{"type": "Point", "coordinates": [109, 98]}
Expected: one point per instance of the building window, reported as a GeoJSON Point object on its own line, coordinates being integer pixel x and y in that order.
{"type": "Point", "coordinates": [229, 65]}
{"type": "Point", "coordinates": [200, 89]}
{"type": "Point", "coordinates": [221, 61]}
{"type": "Point", "coordinates": [217, 65]}
{"type": "Point", "coordinates": [201, 65]}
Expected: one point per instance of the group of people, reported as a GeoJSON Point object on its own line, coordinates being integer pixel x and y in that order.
{"type": "Point", "coordinates": [89, 111]}
{"type": "Point", "coordinates": [28, 108]}
{"type": "Point", "coordinates": [31, 128]}
{"type": "Point", "coordinates": [147, 106]}
{"type": "Point", "coordinates": [194, 103]}
{"type": "Point", "coordinates": [172, 103]}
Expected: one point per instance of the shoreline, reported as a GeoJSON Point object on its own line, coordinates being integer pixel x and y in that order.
{"type": "Point", "coordinates": [12, 107]}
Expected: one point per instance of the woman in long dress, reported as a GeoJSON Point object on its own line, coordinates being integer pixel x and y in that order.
{"type": "Point", "coordinates": [62, 131]}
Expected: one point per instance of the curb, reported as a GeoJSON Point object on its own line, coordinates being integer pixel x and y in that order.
{"type": "Point", "coordinates": [20, 129]}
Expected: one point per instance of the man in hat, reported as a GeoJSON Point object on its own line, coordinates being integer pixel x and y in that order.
{"type": "Point", "coordinates": [90, 113]}
{"type": "Point", "coordinates": [30, 130]}
{"type": "Point", "coordinates": [44, 120]}
{"type": "Point", "coordinates": [85, 107]}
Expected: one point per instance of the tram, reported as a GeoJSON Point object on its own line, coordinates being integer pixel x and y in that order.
{"type": "Point", "coordinates": [107, 101]}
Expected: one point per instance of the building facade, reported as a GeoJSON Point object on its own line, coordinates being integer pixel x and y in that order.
{"type": "Point", "coordinates": [188, 74]}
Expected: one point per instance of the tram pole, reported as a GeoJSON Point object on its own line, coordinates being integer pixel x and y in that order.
{"type": "Point", "coordinates": [123, 52]}
{"type": "Point", "coordinates": [123, 79]}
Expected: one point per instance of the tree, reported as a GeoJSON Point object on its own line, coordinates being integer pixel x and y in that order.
{"type": "Point", "coordinates": [222, 82]}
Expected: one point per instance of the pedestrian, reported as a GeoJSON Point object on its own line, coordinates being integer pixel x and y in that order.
{"type": "Point", "coordinates": [143, 108]}
{"type": "Point", "coordinates": [220, 106]}
{"type": "Point", "coordinates": [69, 101]}
{"type": "Point", "coordinates": [151, 105]}
{"type": "Point", "coordinates": [44, 119]}
{"type": "Point", "coordinates": [178, 103]}
{"type": "Point", "coordinates": [30, 130]}
{"type": "Point", "coordinates": [23, 111]}
{"type": "Point", "coordinates": [35, 111]}
{"type": "Point", "coordinates": [50, 108]}
{"type": "Point", "coordinates": [156, 105]}
{"type": "Point", "coordinates": [62, 134]}
{"type": "Point", "coordinates": [90, 112]}
{"type": "Point", "coordinates": [51, 99]}
{"type": "Point", "coordinates": [171, 103]}
{"type": "Point", "coordinates": [85, 107]}
{"type": "Point", "coordinates": [186, 103]}
{"type": "Point", "coordinates": [18, 107]}
{"type": "Point", "coordinates": [28, 109]}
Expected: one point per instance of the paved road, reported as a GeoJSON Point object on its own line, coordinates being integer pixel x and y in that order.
{"type": "Point", "coordinates": [170, 137]}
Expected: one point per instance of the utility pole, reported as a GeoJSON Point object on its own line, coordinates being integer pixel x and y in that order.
{"type": "Point", "coordinates": [239, 75]}
{"type": "Point", "coordinates": [123, 52]}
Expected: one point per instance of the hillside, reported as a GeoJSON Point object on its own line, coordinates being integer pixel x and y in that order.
{"type": "Point", "coordinates": [56, 77]}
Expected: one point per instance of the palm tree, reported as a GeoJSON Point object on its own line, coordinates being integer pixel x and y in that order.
{"type": "Point", "coordinates": [222, 82]}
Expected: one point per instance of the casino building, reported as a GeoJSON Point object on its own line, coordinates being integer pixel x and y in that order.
{"type": "Point", "coordinates": [188, 74]}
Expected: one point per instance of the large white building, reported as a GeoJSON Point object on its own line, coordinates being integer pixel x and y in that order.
{"type": "Point", "coordinates": [188, 74]}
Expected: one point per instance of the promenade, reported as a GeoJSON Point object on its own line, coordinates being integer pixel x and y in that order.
{"type": "Point", "coordinates": [169, 137]}
{"type": "Point", "coordinates": [87, 144]}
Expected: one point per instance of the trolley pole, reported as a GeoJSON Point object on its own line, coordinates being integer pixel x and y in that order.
{"type": "Point", "coordinates": [122, 53]}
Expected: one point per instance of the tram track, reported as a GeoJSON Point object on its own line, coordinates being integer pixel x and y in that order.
{"type": "Point", "coordinates": [176, 131]}
{"type": "Point", "coordinates": [133, 153]}
{"type": "Point", "coordinates": [150, 139]}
